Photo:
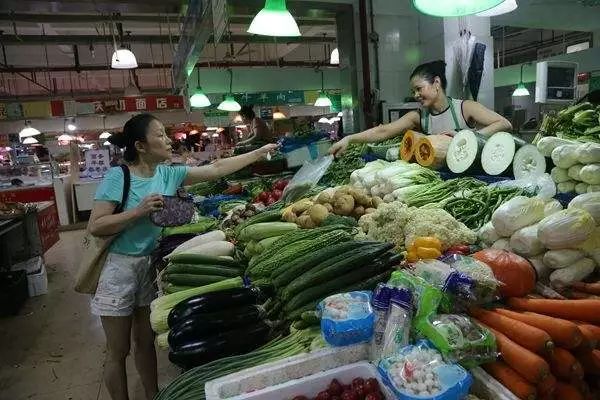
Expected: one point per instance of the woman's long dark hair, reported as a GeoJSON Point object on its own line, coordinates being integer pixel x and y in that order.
{"type": "Point", "coordinates": [429, 71]}
{"type": "Point", "coordinates": [135, 130]}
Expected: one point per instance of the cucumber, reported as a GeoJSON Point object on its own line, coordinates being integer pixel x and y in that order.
{"type": "Point", "coordinates": [297, 313]}
{"type": "Point", "coordinates": [265, 216]}
{"type": "Point", "coordinates": [170, 288]}
{"type": "Point", "coordinates": [370, 283]}
{"type": "Point", "coordinates": [323, 290]}
{"type": "Point", "coordinates": [192, 280]}
{"type": "Point", "coordinates": [286, 273]}
{"type": "Point", "coordinates": [310, 317]}
{"type": "Point", "coordinates": [188, 258]}
{"type": "Point", "coordinates": [201, 269]}
{"type": "Point", "coordinates": [322, 273]}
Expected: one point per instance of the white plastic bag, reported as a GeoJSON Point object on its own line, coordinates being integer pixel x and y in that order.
{"type": "Point", "coordinates": [542, 271]}
{"type": "Point", "coordinates": [566, 229]}
{"type": "Point", "coordinates": [306, 178]}
{"type": "Point", "coordinates": [589, 202]}
{"type": "Point", "coordinates": [557, 259]}
{"type": "Point", "coordinates": [517, 213]}
{"type": "Point", "coordinates": [574, 273]}
{"type": "Point", "coordinates": [543, 185]}
{"type": "Point", "coordinates": [525, 242]}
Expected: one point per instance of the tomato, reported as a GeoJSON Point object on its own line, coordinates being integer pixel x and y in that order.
{"type": "Point", "coordinates": [323, 395]}
{"type": "Point", "coordinates": [335, 388]}
{"type": "Point", "coordinates": [280, 184]}
{"type": "Point", "coordinates": [234, 189]}
{"type": "Point", "coordinates": [371, 385]}
{"type": "Point", "coordinates": [346, 388]}
{"type": "Point", "coordinates": [263, 196]}
{"type": "Point", "coordinates": [349, 395]}
{"type": "Point", "coordinates": [359, 391]}
{"type": "Point", "coordinates": [374, 396]}
{"type": "Point", "coordinates": [357, 381]}
{"type": "Point", "coordinates": [460, 249]}
{"type": "Point", "coordinates": [270, 200]}
{"type": "Point", "coordinates": [276, 194]}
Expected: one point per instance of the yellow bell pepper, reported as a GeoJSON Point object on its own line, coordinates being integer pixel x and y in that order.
{"type": "Point", "coordinates": [411, 256]}
{"type": "Point", "coordinates": [428, 253]}
{"type": "Point", "coordinates": [429, 242]}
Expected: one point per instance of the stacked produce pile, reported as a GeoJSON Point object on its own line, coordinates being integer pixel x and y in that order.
{"type": "Point", "coordinates": [578, 122]}
{"type": "Point", "coordinates": [562, 245]}
{"type": "Point", "coordinates": [341, 168]}
{"type": "Point", "coordinates": [577, 165]}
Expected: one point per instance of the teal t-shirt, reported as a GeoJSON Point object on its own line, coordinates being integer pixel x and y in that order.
{"type": "Point", "coordinates": [140, 238]}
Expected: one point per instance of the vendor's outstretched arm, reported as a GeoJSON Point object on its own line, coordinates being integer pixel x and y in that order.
{"type": "Point", "coordinates": [249, 139]}
{"type": "Point", "coordinates": [410, 120]}
{"type": "Point", "coordinates": [491, 121]}
{"type": "Point", "coordinates": [226, 166]}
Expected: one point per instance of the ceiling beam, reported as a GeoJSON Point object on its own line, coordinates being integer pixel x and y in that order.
{"type": "Point", "coordinates": [210, 65]}
{"type": "Point", "coordinates": [25, 40]}
{"type": "Point", "coordinates": [301, 21]}
{"type": "Point", "coordinates": [86, 18]}
{"type": "Point", "coordinates": [91, 7]}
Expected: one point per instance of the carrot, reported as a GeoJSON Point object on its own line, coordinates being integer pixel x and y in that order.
{"type": "Point", "coordinates": [567, 392]}
{"type": "Point", "coordinates": [511, 380]}
{"type": "Point", "coordinates": [579, 295]}
{"type": "Point", "coordinates": [547, 386]}
{"type": "Point", "coordinates": [531, 366]}
{"type": "Point", "coordinates": [589, 334]}
{"type": "Point", "coordinates": [591, 288]}
{"type": "Point", "coordinates": [528, 336]}
{"type": "Point", "coordinates": [584, 310]}
{"type": "Point", "coordinates": [593, 330]}
{"type": "Point", "coordinates": [563, 333]}
{"type": "Point", "coordinates": [564, 365]}
{"type": "Point", "coordinates": [590, 362]}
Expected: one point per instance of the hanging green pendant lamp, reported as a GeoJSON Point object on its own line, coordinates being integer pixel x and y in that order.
{"type": "Point", "coordinates": [274, 20]}
{"type": "Point", "coordinates": [199, 99]}
{"type": "Point", "coordinates": [454, 8]}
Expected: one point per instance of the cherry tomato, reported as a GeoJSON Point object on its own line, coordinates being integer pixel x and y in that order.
{"type": "Point", "coordinates": [335, 388]}
{"type": "Point", "coordinates": [323, 395]}
{"type": "Point", "coordinates": [374, 396]}
{"type": "Point", "coordinates": [371, 385]}
{"type": "Point", "coordinates": [359, 391]}
{"type": "Point", "coordinates": [276, 194]}
{"type": "Point", "coordinates": [263, 196]}
{"type": "Point", "coordinates": [349, 395]}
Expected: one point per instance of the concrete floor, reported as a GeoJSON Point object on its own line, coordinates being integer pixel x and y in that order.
{"type": "Point", "coordinates": [54, 348]}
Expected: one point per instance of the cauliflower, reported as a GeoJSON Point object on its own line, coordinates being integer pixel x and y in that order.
{"type": "Point", "coordinates": [397, 223]}
{"type": "Point", "coordinates": [439, 223]}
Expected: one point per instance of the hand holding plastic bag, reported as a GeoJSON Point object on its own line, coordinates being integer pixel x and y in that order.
{"type": "Point", "coordinates": [306, 178]}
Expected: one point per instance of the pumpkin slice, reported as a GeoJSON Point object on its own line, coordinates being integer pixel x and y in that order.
{"type": "Point", "coordinates": [409, 144]}
{"type": "Point", "coordinates": [431, 151]}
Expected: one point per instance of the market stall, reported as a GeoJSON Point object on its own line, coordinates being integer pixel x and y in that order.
{"type": "Point", "coordinates": [362, 278]}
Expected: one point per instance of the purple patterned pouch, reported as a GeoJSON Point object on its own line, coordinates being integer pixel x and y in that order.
{"type": "Point", "coordinates": [177, 210]}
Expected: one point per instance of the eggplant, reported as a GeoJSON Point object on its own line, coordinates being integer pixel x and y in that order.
{"type": "Point", "coordinates": [201, 326]}
{"type": "Point", "coordinates": [239, 341]}
{"type": "Point", "coordinates": [213, 302]}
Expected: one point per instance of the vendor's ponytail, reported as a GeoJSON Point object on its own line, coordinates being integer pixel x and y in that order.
{"type": "Point", "coordinates": [135, 130]}
{"type": "Point", "coordinates": [429, 71]}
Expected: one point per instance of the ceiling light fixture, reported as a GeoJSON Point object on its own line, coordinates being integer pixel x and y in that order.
{"type": "Point", "coordinates": [324, 120]}
{"type": "Point", "coordinates": [30, 140]}
{"type": "Point", "coordinates": [199, 99]}
{"type": "Point", "coordinates": [323, 100]}
{"type": "Point", "coordinates": [65, 138]}
{"type": "Point", "coordinates": [105, 135]}
{"type": "Point", "coordinates": [193, 132]}
{"type": "Point", "coordinates": [229, 103]}
{"type": "Point", "coordinates": [274, 20]}
{"type": "Point", "coordinates": [71, 124]}
{"type": "Point", "coordinates": [335, 57]}
{"type": "Point", "coordinates": [454, 8]}
{"type": "Point", "coordinates": [521, 90]}
{"type": "Point", "coordinates": [107, 143]}
{"type": "Point", "coordinates": [503, 8]}
{"type": "Point", "coordinates": [28, 131]}
{"type": "Point", "coordinates": [122, 58]}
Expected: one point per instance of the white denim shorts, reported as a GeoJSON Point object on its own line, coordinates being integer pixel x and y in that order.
{"type": "Point", "coordinates": [126, 283]}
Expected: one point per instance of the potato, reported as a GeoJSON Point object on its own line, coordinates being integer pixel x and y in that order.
{"type": "Point", "coordinates": [324, 198]}
{"type": "Point", "coordinates": [329, 207]}
{"type": "Point", "coordinates": [318, 213]}
{"type": "Point", "coordinates": [358, 212]}
{"type": "Point", "coordinates": [289, 216]}
{"type": "Point", "coordinates": [360, 197]}
{"type": "Point", "coordinates": [304, 221]}
{"type": "Point", "coordinates": [301, 205]}
{"type": "Point", "coordinates": [344, 205]}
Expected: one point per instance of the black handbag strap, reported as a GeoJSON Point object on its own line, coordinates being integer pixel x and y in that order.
{"type": "Point", "coordinates": [126, 185]}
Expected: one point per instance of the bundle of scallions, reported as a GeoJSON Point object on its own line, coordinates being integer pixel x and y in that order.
{"type": "Point", "coordinates": [190, 385]}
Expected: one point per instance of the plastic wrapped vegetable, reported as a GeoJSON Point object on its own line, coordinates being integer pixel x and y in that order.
{"type": "Point", "coordinates": [487, 234]}
{"type": "Point", "coordinates": [513, 271]}
{"type": "Point", "coordinates": [557, 259]}
{"type": "Point", "coordinates": [565, 156]}
{"type": "Point", "coordinates": [589, 202]}
{"type": "Point", "coordinates": [588, 153]}
{"type": "Point", "coordinates": [593, 188]}
{"type": "Point", "coordinates": [581, 188]}
{"type": "Point", "coordinates": [551, 207]}
{"type": "Point", "coordinates": [517, 213]}
{"type": "Point", "coordinates": [525, 242]}
{"type": "Point", "coordinates": [566, 229]}
{"type": "Point", "coordinates": [542, 271]}
{"type": "Point", "coordinates": [501, 244]}
{"type": "Point", "coordinates": [566, 187]}
{"type": "Point", "coordinates": [559, 175]}
{"type": "Point", "coordinates": [590, 174]}
{"type": "Point", "coordinates": [576, 272]}
{"type": "Point", "coordinates": [546, 144]}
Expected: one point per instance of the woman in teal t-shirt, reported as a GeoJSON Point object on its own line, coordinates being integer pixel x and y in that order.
{"type": "Point", "coordinates": [126, 288]}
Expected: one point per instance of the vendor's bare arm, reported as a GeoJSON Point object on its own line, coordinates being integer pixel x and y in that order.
{"type": "Point", "coordinates": [491, 121]}
{"type": "Point", "coordinates": [380, 133]}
